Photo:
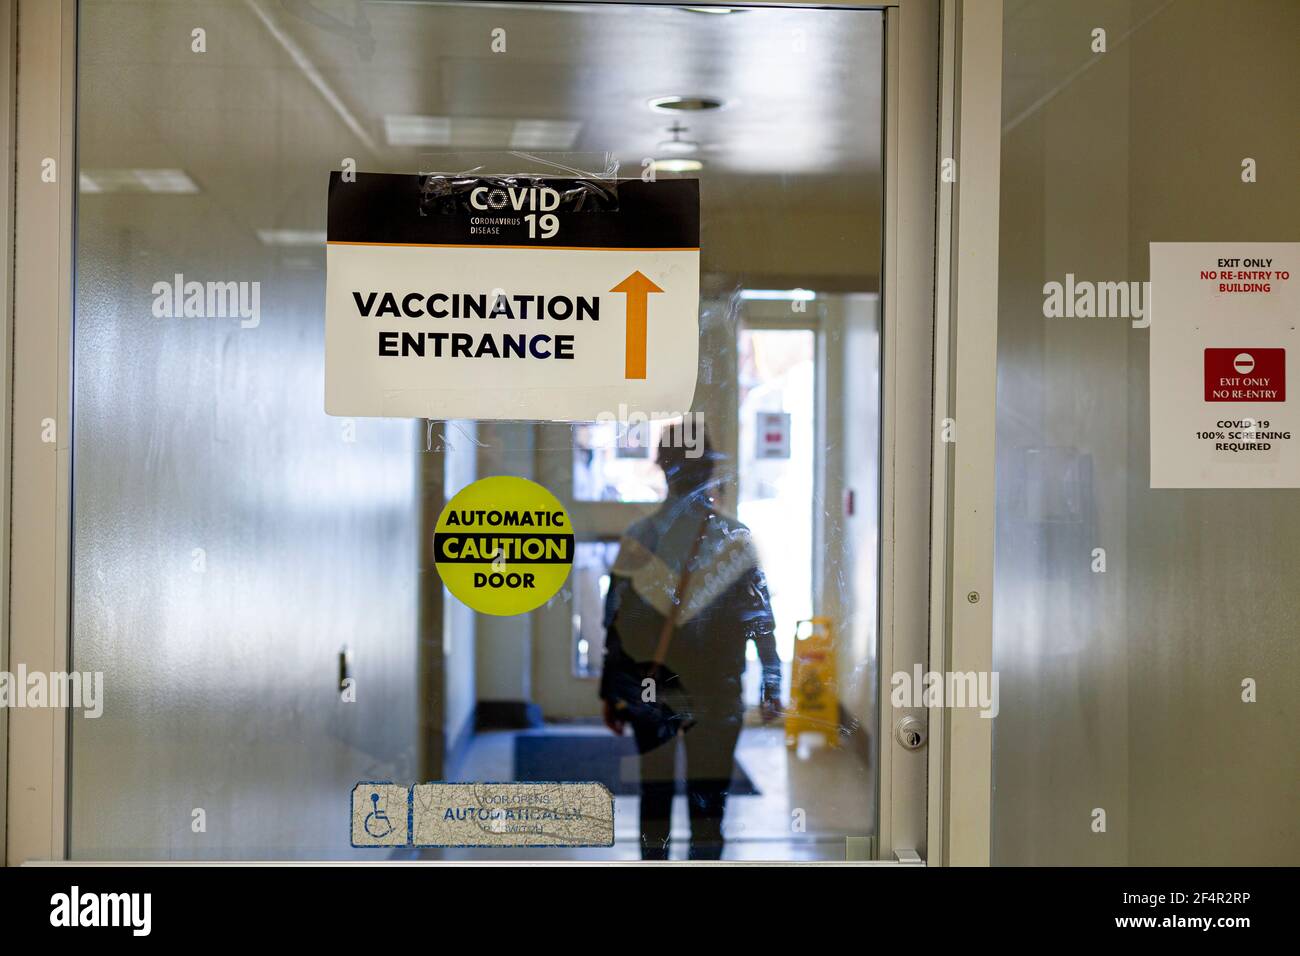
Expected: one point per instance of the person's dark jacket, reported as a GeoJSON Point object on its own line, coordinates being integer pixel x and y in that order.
{"type": "Point", "coordinates": [707, 651]}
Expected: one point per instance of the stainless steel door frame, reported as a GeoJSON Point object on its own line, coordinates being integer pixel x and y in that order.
{"type": "Point", "coordinates": [966, 300]}
{"type": "Point", "coordinates": [8, 65]}
{"type": "Point", "coordinates": [38, 551]}
{"type": "Point", "coordinates": [906, 381]}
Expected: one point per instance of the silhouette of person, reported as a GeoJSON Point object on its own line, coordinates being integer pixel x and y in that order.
{"type": "Point", "coordinates": [688, 547]}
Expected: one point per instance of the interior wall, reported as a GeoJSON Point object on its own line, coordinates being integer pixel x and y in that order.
{"type": "Point", "coordinates": [850, 577]}
{"type": "Point", "coordinates": [836, 247]}
{"type": "Point", "coordinates": [1213, 779]}
{"type": "Point", "coordinates": [1120, 689]}
{"type": "Point", "coordinates": [1060, 645]}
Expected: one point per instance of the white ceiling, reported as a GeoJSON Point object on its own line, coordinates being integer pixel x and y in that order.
{"type": "Point", "coordinates": [288, 88]}
{"type": "Point", "coordinates": [801, 88]}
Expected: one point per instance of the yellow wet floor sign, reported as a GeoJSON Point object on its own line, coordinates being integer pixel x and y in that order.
{"type": "Point", "coordinates": [503, 545]}
{"type": "Point", "coordinates": [814, 695]}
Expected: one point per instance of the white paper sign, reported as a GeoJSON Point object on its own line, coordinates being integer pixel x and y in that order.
{"type": "Point", "coordinates": [772, 431]}
{"type": "Point", "coordinates": [511, 299]}
{"type": "Point", "coordinates": [1223, 339]}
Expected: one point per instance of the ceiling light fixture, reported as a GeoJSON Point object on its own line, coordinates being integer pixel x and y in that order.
{"type": "Point", "coordinates": [136, 181]}
{"type": "Point", "coordinates": [677, 165]}
{"type": "Point", "coordinates": [544, 134]}
{"type": "Point", "coordinates": [677, 145]}
{"type": "Point", "coordinates": [477, 132]}
{"type": "Point", "coordinates": [685, 104]}
{"type": "Point", "coordinates": [291, 237]}
{"type": "Point", "coordinates": [778, 295]}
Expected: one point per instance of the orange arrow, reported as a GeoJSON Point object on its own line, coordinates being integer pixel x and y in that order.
{"type": "Point", "coordinates": [638, 288]}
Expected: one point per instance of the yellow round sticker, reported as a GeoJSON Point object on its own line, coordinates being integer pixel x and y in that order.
{"type": "Point", "coordinates": [503, 545]}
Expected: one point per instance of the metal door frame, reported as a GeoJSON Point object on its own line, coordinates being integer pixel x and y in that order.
{"type": "Point", "coordinates": [965, 392]}
{"type": "Point", "coordinates": [8, 72]}
{"type": "Point", "coordinates": [38, 541]}
{"type": "Point", "coordinates": [942, 99]}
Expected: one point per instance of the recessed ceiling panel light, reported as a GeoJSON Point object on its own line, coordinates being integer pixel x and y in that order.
{"type": "Point", "coordinates": [405, 129]}
{"type": "Point", "coordinates": [677, 165]}
{"type": "Point", "coordinates": [165, 181]}
{"type": "Point", "coordinates": [778, 295]}
{"type": "Point", "coordinates": [685, 104]}
{"type": "Point", "coordinates": [544, 134]}
{"type": "Point", "coordinates": [136, 181]}
{"type": "Point", "coordinates": [291, 237]}
{"type": "Point", "coordinates": [481, 132]}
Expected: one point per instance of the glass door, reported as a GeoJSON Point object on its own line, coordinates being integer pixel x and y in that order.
{"type": "Point", "coordinates": [253, 576]}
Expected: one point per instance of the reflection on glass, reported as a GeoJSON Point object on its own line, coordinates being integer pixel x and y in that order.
{"type": "Point", "coordinates": [589, 581]}
{"type": "Point", "coordinates": [688, 598]}
{"type": "Point", "coordinates": [613, 461]}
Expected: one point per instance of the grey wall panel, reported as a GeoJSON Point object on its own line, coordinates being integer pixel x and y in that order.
{"type": "Point", "coordinates": [1121, 690]}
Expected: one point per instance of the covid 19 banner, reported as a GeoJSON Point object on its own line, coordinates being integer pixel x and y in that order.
{"type": "Point", "coordinates": [510, 298]}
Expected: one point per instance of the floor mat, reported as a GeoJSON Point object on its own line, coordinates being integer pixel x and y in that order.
{"type": "Point", "coordinates": [601, 758]}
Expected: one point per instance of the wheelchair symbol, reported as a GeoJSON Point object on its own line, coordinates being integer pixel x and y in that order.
{"type": "Point", "coordinates": [377, 823]}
